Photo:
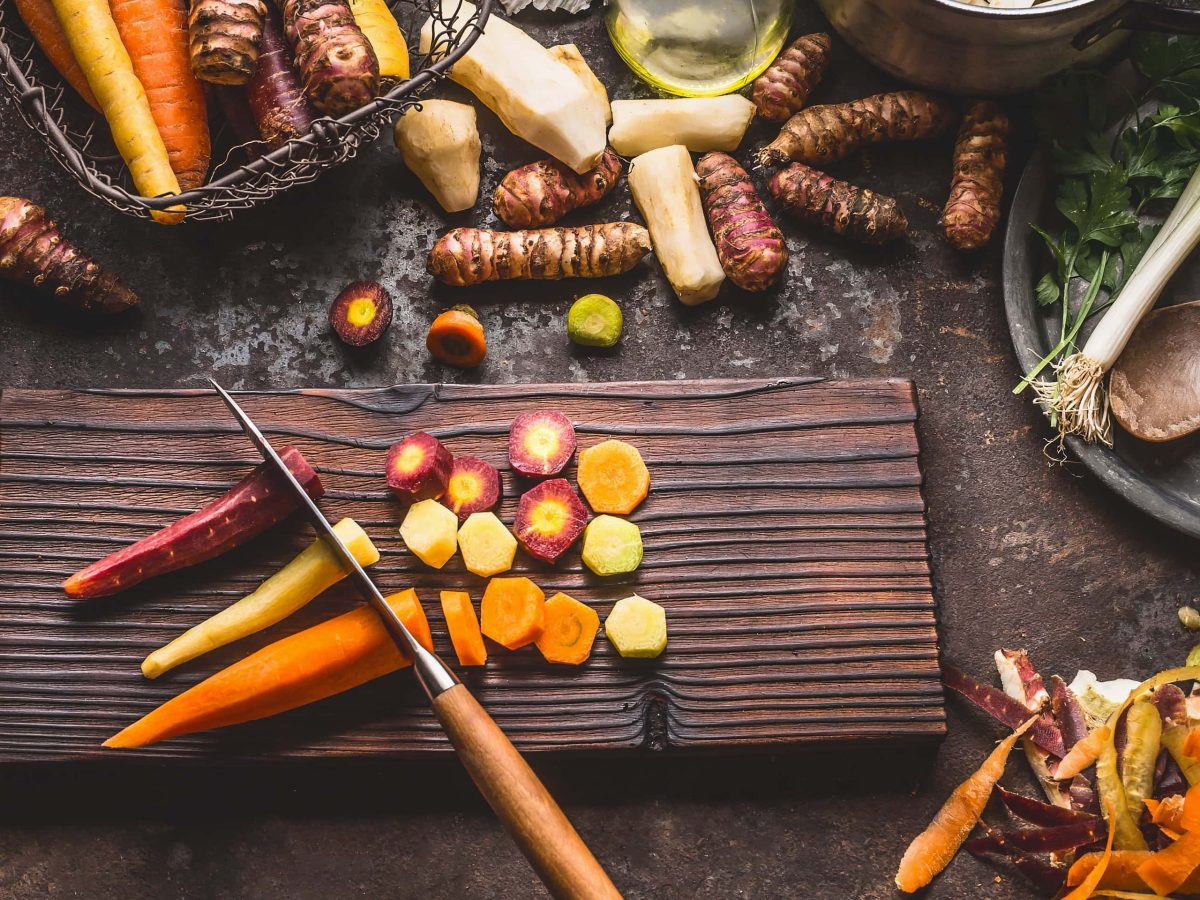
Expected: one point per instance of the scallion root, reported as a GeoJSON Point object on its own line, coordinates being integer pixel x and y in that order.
{"type": "Point", "coordinates": [1077, 399]}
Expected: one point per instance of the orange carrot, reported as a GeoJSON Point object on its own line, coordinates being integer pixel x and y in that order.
{"type": "Point", "coordinates": [156, 35]}
{"type": "Point", "coordinates": [1122, 872]}
{"type": "Point", "coordinates": [1167, 814]}
{"type": "Point", "coordinates": [464, 628]}
{"type": "Point", "coordinates": [1191, 746]}
{"type": "Point", "coordinates": [513, 612]}
{"type": "Point", "coordinates": [1189, 819]}
{"type": "Point", "coordinates": [456, 338]}
{"type": "Point", "coordinates": [613, 477]}
{"type": "Point", "coordinates": [310, 665]}
{"type": "Point", "coordinates": [1083, 754]}
{"type": "Point", "coordinates": [1089, 884]}
{"type": "Point", "coordinates": [42, 21]}
{"type": "Point", "coordinates": [1167, 869]}
{"type": "Point", "coordinates": [570, 631]}
{"type": "Point", "coordinates": [931, 851]}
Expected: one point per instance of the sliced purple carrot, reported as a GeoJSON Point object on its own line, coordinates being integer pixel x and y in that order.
{"type": "Point", "coordinates": [1067, 713]}
{"type": "Point", "coordinates": [1039, 812]}
{"type": "Point", "coordinates": [1054, 839]}
{"type": "Point", "coordinates": [1083, 795]}
{"type": "Point", "coordinates": [1042, 874]}
{"type": "Point", "coordinates": [1004, 709]}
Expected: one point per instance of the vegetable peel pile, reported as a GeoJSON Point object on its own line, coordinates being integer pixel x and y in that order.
{"type": "Point", "coordinates": [1122, 807]}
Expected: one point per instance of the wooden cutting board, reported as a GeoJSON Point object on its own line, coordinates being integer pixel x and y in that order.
{"type": "Point", "coordinates": [784, 533]}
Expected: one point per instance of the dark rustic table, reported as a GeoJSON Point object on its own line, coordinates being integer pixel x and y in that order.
{"type": "Point", "coordinates": [1025, 553]}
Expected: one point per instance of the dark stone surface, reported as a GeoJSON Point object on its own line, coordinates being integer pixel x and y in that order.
{"type": "Point", "coordinates": [1026, 554]}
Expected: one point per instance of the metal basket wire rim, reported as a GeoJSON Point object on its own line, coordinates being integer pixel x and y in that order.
{"type": "Point", "coordinates": [329, 142]}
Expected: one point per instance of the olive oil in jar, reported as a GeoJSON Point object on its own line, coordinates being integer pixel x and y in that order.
{"type": "Point", "coordinates": [698, 48]}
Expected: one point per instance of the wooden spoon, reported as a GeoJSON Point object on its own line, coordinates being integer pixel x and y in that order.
{"type": "Point", "coordinates": [1155, 386]}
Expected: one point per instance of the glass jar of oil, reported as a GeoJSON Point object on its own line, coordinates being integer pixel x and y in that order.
{"type": "Point", "coordinates": [698, 48]}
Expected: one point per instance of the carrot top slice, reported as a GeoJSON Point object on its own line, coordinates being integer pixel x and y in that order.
{"type": "Point", "coordinates": [613, 477]}
{"type": "Point", "coordinates": [513, 612]}
{"type": "Point", "coordinates": [571, 629]}
{"type": "Point", "coordinates": [464, 628]}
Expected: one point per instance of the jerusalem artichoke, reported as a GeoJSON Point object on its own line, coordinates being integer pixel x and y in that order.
{"type": "Point", "coordinates": [542, 192]}
{"type": "Point", "coordinates": [34, 253]}
{"type": "Point", "coordinates": [820, 135]}
{"type": "Point", "coordinates": [973, 209]}
{"type": "Point", "coordinates": [465, 256]}
{"type": "Point", "coordinates": [664, 188]}
{"type": "Point", "coordinates": [569, 54]}
{"type": "Point", "coordinates": [336, 63]}
{"type": "Point", "coordinates": [749, 244]}
{"type": "Point", "coordinates": [224, 36]}
{"type": "Point", "coordinates": [783, 89]}
{"type": "Point", "coordinates": [837, 206]}
{"type": "Point", "coordinates": [440, 144]}
{"type": "Point", "coordinates": [699, 123]}
{"type": "Point", "coordinates": [275, 94]}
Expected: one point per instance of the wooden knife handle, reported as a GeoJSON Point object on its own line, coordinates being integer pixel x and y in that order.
{"type": "Point", "coordinates": [529, 813]}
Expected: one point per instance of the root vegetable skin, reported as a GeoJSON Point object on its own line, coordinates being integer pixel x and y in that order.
{"type": "Point", "coordinates": [224, 37]}
{"type": "Point", "coordinates": [42, 21]}
{"type": "Point", "coordinates": [664, 188]}
{"type": "Point", "coordinates": [973, 210]}
{"type": "Point", "coordinates": [839, 207]}
{"type": "Point", "coordinates": [537, 97]}
{"type": "Point", "coordinates": [466, 256]}
{"type": "Point", "coordinates": [276, 95]}
{"type": "Point", "coordinates": [33, 252]}
{"type": "Point", "coordinates": [783, 89]}
{"type": "Point", "coordinates": [749, 244]}
{"type": "Point", "coordinates": [699, 123]}
{"type": "Point", "coordinates": [820, 135]}
{"type": "Point", "coordinates": [336, 62]}
{"type": "Point", "coordinates": [439, 142]}
{"type": "Point", "coordinates": [542, 192]}
{"type": "Point", "coordinates": [569, 54]}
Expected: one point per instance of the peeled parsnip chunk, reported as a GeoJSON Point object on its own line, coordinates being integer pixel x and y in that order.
{"type": "Point", "coordinates": [699, 123]}
{"type": "Point", "coordinates": [537, 97]}
{"type": "Point", "coordinates": [665, 189]}
{"type": "Point", "coordinates": [569, 54]}
{"type": "Point", "coordinates": [440, 144]}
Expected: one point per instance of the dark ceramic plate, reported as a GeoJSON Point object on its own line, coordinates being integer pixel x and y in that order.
{"type": "Point", "coordinates": [1160, 479]}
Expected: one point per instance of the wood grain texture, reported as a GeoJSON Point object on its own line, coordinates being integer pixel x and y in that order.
{"type": "Point", "coordinates": [784, 533]}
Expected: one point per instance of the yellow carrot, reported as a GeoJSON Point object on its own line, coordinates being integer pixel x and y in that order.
{"type": "Point", "coordinates": [306, 576]}
{"type": "Point", "coordinates": [376, 21]}
{"type": "Point", "coordinates": [97, 47]}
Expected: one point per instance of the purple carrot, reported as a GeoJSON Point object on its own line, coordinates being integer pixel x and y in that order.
{"type": "Point", "coordinates": [1004, 709]}
{"type": "Point", "coordinates": [1067, 712]}
{"type": "Point", "coordinates": [1168, 777]}
{"type": "Point", "coordinates": [1054, 839]}
{"type": "Point", "coordinates": [235, 106]}
{"type": "Point", "coordinates": [1038, 812]}
{"type": "Point", "coordinates": [1083, 795]}
{"type": "Point", "coordinates": [275, 93]}
{"type": "Point", "coordinates": [1047, 877]}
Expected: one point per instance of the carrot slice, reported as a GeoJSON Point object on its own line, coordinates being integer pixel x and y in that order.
{"type": "Point", "coordinates": [570, 631]}
{"type": "Point", "coordinates": [310, 665]}
{"type": "Point", "coordinates": [1167, 869]}
{"type": "Point", "coordinates": [1089, 884]}
{"type": "Point", "coordinates": [513, 612]}
{"type": "Point", "coordinates": [456, 337]}
{"type": "Point", "coordinates": [931, 851]}
{"type": "Point", "coordinates": [1122, 872]}
{"type": "Point", "coordinates": [613, 477]}
{"type": "Point", "coordinates": [464, 628]}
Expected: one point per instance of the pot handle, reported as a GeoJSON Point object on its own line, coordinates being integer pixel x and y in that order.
{"type": "Point", "coordinates": [1144, 15]}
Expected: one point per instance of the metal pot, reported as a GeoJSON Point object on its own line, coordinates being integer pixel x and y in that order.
{"type": "Point", "coordinates": [958, 48]}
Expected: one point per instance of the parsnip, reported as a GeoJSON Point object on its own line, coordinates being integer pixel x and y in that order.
{"type": "Point", "coordinates": [537, 97]}
{"type": "Point", "coordinates": [665, 188]}
{"type": "Point", "coordinates": [440, 143]}
{"type": "Point", "coordinates": [699, 123]}
{"type": "Point", "coordinates": [306, 576]}
{"type": "Point", "coordinates": [569, 54]}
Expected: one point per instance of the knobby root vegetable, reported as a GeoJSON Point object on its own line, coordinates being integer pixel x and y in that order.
{"type": "Point", "coordinates": [155, 33]}
{"type": "Point", "coordinates": [931, 851]}
{"type": "Point", "coordinates": [838, 206]}
{"type": "Point", "coordinates": [275, 93]}
{"type": "Point", "coordinates": [224, 36]}
{"type": "Point", "coordinates": [973, 210]}
{"type": "Point", "coordinates": [783, 89]}
{"type": "Point", "coordinates": [303, 668]}
{"type": "Point", "coordinates": [314, 570]}
{"type": "Point", "coordinates": [97, 47]}
{"type": "Point", "coordinates": [336, 63]}
{"type": "Point", "coordinates": [749, 244]}
{"type": "Point", "coordinates": [439, 142]}
{"type": "Point", "coordinates": [698, 123]}
{"type": "Point", "coordinates": [820, 135]}
{"type": "Point", "coordinates": [465, 256]}
{"type": "Point", "coordinates": [569, 55]}
{"type": "Point", "coordinates": [384, 35]}
{"type": "Point", "coordinates": [664, 188]}
{"type": "Point", "coordinates": [541, 193]}
{"type": "Point", "coordinates": [42, 21]}
{"type": "Point", "coordinates": [537, 97]}
{"type": "Point", "coordinates": [33, 252]}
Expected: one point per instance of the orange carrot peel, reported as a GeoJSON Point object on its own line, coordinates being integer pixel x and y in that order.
{"type": "Point", "coordinates": [1088, 885]}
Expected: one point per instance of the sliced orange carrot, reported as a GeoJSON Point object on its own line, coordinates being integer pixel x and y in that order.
{"type": "Point", "coordinates": [310, 665]}
{"type": "Point", "coordinates": [613, 477]}
{"type": "Point", "coordinates": [570, 631]}
{"type": "Point", "coordinates": [1122, 872]}
{"type": "Point", "coordinates": [1089, 884]}
{"type": "Point", "coordinates": [464, 628]}
{"type": "Point", "coordinates": [931, 850]}
{"type": "Point", "coordinates": [42, 21]}
{"type": "Point", "coordinates": [1169, 868]}
{"type": "Point", "coordinates": [456, 338]}
{"type": "Point", "coordinates": [513, 612]}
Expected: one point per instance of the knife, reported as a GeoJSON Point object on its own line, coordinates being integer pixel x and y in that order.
{"type": "Point", "coordinates": [526, 809]}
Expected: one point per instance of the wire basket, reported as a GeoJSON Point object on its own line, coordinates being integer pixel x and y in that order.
{"type": "Point", "coordinates": [79, 139]}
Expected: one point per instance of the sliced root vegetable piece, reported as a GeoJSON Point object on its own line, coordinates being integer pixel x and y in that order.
{"type": "Point", "coordinates": [612, 546]}
{"type": "Point", "coordinates": [488, 548]}
{"type": "Point", "coordinates": [474, 486]}
{"type": "Point", "coordinates": [569, 55]}
{"type": "Point", "coordinates": [1121, 874]}
{"type": "Point", "coordinates": [439, 142]}
{"type": "Point", "coordinates": [571, 629]}
{"type": "Point", "coordinates": [1175, 739]}
{"type": "Point", "coordinates": [637, 628]}
{"type": "Point", "coordinates": [613, 477]}
{"type": "Point", "coordinates": [430, 531]}
{"type": "Point", "coordinates": [1049, 839]}
{"type": "Point", "coordinates": [513, 612]}
{"type": "Point", "coordinates": [595, 321]}
{"type": "Point", "coordinates": [1167, 812]}
{"type": "Point", "coordinates": [384, 35]}
{"type": "Point", "coordinates": [700, 124]}
{"type": "Point", "coordinates": [540, 443]}
{"type": "Point", "coordinates": [463, 626]}
{"type": "Point", "coordinates": [550, 518]}
{"type": "Point", "coordinates": [1189, 819]}
{"type": "Point", "coordinates": [1143, 742]}
{"type": "Point", "coordinates": [456, 338]}
{"type": "Point", "coordinates": [418, 467]}
{"type": "Point", "coordinates": [361, 313]}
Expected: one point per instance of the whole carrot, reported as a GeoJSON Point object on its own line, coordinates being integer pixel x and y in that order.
{"type": "Point", "coordinates": [275, 93]}
{"type": "Point", "coordinates": [973, 209]}
{"type": "Point", "coordinates": [42, 21]}
{"type": "Point", "coordinates": [749, 244]}
{"type": "Point", "coordinates": [156, 35]}
{"type": "Point", "coordinates": [783, 89]}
